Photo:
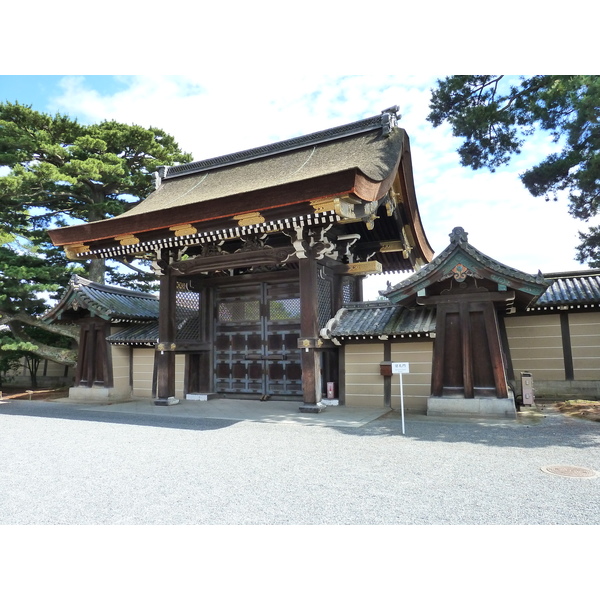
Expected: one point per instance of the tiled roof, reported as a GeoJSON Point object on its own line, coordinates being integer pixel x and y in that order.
{"type": "Point", "coordinates": [373, 154]}
{"type": "Point", "coordinates": [570, 289]}
{"type": "Point", "coordinates": [374, 319]}
{"type": "Point", "coordinates": [188, 329]}
{"type": "Point", "coordinates": [108, 302]}
{"type": "Point", "coordinates": [142, 334]}
{"type": "Point", "coordinates": [383, 122]}
{"type": "Point", "coordinates": [481, 265]}
{"type": "Point", "coordinates": [368, 319]}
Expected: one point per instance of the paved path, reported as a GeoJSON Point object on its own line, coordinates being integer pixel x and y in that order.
{"type": "Point", "coordinates": [125, 464]}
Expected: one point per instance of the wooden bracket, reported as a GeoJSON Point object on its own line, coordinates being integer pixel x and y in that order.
{"type": "Point", "coordinates": [127, 240]}
{"type": "Point", "coordinates": [363, 268]}
{"type": "Point", "coordinates": [251, 218]}
{"type": "Point", "coordinates": [185, 229]}
{"type": "Point", "coordinates": [166, 347]}
{"type": "Point", "coordinates": [75, 249]}
{"type": "Point", "coordinates": [314, 343]}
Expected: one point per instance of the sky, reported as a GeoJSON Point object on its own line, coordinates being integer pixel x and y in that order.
{"type": "Point", "coordinates": [210, 115]}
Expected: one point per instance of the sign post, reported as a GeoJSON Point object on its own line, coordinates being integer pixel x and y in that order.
{"type": "Point", "coordinates": [400, 368]}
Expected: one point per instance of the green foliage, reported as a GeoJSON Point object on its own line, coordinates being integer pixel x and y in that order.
{"type": "Point", "coordinates": [61, 172]}
{"type": "Point", "coordinates": [496, 115]}
{"type": "Point", "coordinates": [25, 273]}
{"type": "Point", "coordinates": [9, 361]}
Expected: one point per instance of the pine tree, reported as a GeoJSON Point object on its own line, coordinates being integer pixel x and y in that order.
{"type": "Point", "coordinates": [495, 114]}
{"type": "Point", "coordinates": [62, 172]}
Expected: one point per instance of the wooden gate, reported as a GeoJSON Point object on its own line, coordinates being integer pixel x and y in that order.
{"type": "Point", "coordinates": [468, 359]}
{"type": "Point", "coordinates": [257, 330]}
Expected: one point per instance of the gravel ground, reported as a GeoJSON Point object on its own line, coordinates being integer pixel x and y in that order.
{"type": "Point", "coordinates": [61, 465]}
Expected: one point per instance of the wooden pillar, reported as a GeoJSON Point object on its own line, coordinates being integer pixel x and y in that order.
{"type": "Point", "coordinates": [567, 348]}
{"type": "Point", "coordinates": [309, 335]}
{"type": "Point", "coordinates": [94, 367]}
{"type": "Point", "coordinates": [165, 350]}
{"type": "Point", "coordinates": [495, 350]}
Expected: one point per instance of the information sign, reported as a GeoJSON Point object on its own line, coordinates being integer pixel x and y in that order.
{"type": "Point", "coordinates": [401, 368]}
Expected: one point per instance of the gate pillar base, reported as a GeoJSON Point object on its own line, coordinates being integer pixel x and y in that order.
{"type": "Point", "coordinates": [471, 407]}
{"type": "Point", "coordinates": [312, 408]}
{"type": "Point", "coordinates": [166, 401]}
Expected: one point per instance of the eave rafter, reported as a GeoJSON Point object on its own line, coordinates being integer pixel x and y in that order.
{"type": "Point", "coordinates": [343, 209]}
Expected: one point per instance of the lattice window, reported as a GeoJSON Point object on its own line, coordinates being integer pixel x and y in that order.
{"type": "Point", "coordinates": [349, 289]}
{"type": "Point", "coordinates": [239, 310]}
{"type": "Point", "coordinates": [324, 300]}
{"type": "Point", "coordinates": [284, 309]}
{"type": "Point", "coordinates": [187, 311]}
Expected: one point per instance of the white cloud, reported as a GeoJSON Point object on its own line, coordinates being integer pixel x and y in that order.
{"type": "Point", "coordinates": [210, 115]}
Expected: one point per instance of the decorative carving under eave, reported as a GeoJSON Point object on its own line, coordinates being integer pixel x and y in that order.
{"type": "Point", "coordinates": [164, 258]}
{"type": "Point", "coordinates": [214, 249]}
{"type": "Point", "coordinates": [127, 240]}
{"type": "Point", "coordinates": [251, 244]}
{"type": "Point", "coordinates": [347, 242]}
{"type": "Point", "coordinates": [314, 243]}
{"type": "Point", "coordinates": [252, 218]}
{"type": "Point", "coordinates": [185, 229]}
{"type": "Point", "coordinates": [238, 260]}
{"type": "Point", "coordinates": [352, 210]}
{"type": "Point", "coordinates": [460, 272]}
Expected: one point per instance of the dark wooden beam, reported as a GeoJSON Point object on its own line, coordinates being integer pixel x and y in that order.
{"type": "Point", "coordinates": [202, 264]}
{"type": "Point", "coordinates": [466, 346]}
{"type": "Point", "coordinates": [309, 329]}
{"type": "Point", "coordinates": [495, 297]}
{"type": "Point", "coordinates": [165, 351]}
{"type": "Point", "coordinates": [566, 344]}
{"type": "Point", "coordinates": [495, 348]}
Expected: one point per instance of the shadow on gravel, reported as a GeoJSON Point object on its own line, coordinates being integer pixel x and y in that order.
{"type": "Point", "coordinates": [538, 431]}
{"type": "Point", "coordinates": [69, 412]}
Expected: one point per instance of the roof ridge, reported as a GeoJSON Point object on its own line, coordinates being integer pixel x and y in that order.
{"type": "Point", "coordinates": [572, 274]}
{"type": "Point", "coordinates": [77, 280]}
{"type": "Point", "coordinates": [385, 121]}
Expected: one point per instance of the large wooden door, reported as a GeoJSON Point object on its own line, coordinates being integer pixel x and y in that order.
{"type": "Point", "coordinates": [467, 353]}
{"type": "Point", "coordinates": [257, 330]}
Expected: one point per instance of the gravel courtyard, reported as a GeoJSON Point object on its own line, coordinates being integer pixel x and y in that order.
{"type": "Point", "coordinates": [64, 465]}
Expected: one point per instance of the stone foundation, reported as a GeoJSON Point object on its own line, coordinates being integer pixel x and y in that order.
{"type": "Point", "coordinates": [564, 390]}
{"type": "Point", "coordinates": [471, 407]}
{"type": "Point", "coordinates": [98, 395]}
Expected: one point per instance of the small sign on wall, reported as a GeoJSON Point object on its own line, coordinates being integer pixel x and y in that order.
{"type": "Point", "coordinates": [398, 367]}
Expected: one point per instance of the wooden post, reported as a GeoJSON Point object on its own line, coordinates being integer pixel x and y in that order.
{"type": "Point", "coordinates": [165, 350]}
{"type": "Point", "coordinates": [309, 331]}
{"type": "Point", "coordinates": [94, 367]}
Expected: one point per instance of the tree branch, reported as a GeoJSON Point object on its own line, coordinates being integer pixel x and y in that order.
{"type": "Point", "coordinates": [63, 356]}
{"type": "Point", "coordinates": [70, 331]}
